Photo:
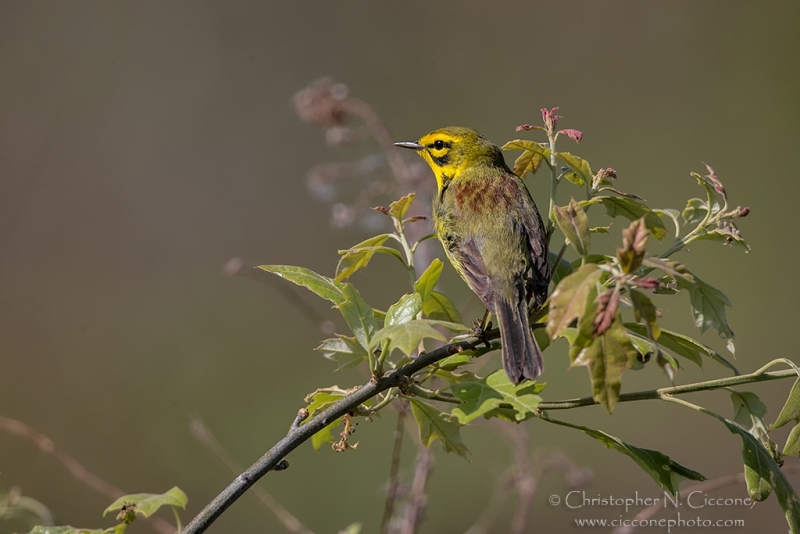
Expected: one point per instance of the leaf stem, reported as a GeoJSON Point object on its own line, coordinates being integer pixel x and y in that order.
{"type": "Point", "coordinates": [661, 393]}
{"type": "Point", "coordinates": [429, 394]}
{"type": "Point", "coordinates": [553, 184]}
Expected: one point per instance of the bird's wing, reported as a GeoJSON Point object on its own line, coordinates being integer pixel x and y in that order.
{"type": "Point", "coordinates": [536, 235]}
{"type": "Point", "coordinates": [469, 261]}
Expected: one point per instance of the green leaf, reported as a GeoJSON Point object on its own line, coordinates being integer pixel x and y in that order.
{"type": "Point", "coordinates": [440, 307]}
{"type": "Point", "coordinates": [607, 357]}
{"type": "Point", "coordinates": [645, 312]}
{"type": "Point", "coordinates": [324, 436]}
{"type": "Point", "coordinates": [790, 410]}
{"type": "Point", "coordinates": [759, 468]}
{"type": "Point", "coordinates": [358, 315]}
{"type": "Point", "coordinates": [792, 446]}
{"type": "Point", "coordinates": [527, 162]}
{"type": "Point", "coordinates": [322, 286]}
{"type": "Point", "coordinates": [664, 470]}
{"type": "Point", "coordinates": [695, 211]}
{"type": "Point", "coordinates": [562, 270]}
{"type": "Point", "coordinates": [355, 528]}
{"type": "Point", "coordinates": [763, 474]}
{"type": "Point", "coordinates": [481, 397]}
{"type": "Point", "coordinates": [708, 308]}
{"type": "Point", "coordinates": [573, 222]}
{"type": "Point", "coordinates": [712, 184]}
{"type": "Point", "coordinates": [427, 281]}
{"type": "Point", "coordinates": [726, 233]}
{"type": "Point", "coordinates": [435, 425]}
{"type": "Point", "coordinates": [599, 259]}
{"type": "Point", "coordinates": [320, 400]}
{"type": "Point", "coordinates": [631, 209]}
{"type": "Point", "coordinates": [358, 256]}
{"type": "Point", "coordinates": [148, 503]}
{"type": "Point", "coordinates": [405, 310]}
{"type": "Point", "coordinates": [536, 149]}
{"type": "Point", "coordinates": [672, 214]}
{"type": "Point", "coordinates": [579, 166]}
{"type": "Point", "coordinates": [399, 207]}
{"type": "Point", "coordinates": [672, 268]}
{"type": "Point", "coordinates": [347, 352]}
{"type": "Point", "coordinates": [644, 347]}
{"type": "Point", "coordinates": [575, 298]}
{"type": "Point", "coordinates": [599, 229]}
{"type": "Point", "coordinates": [407, 336]}
{"type": "Point", "coordinates": [749, 413]}
{"type": "Point", "coordinates": [684, 346]}
{"type": "Point", "coordinates": [573, 177]}
{"type": "Point", "coordinates": [541, 337]}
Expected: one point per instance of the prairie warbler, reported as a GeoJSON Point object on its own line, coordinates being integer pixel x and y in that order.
{"type": "Point", "coordinates": [493, 235]}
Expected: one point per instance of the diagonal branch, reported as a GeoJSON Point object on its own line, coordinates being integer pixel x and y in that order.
{"type": "Point", "coordinates": [297, 435]}
{"type": "Point", "coordinates": [300, 434]}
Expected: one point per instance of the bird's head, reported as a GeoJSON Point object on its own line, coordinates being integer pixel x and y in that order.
{"type": "Point", "coordinates": [449, 151]}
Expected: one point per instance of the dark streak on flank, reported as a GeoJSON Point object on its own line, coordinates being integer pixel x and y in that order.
{"type": "Point", "coordinates": [445, 184]}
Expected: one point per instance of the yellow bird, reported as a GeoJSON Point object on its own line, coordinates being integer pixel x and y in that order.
{"type": "Point", "coordinates": [493, 235]}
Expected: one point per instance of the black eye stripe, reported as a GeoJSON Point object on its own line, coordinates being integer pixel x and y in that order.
{"type": "Point", "coordinates": [439, 145]}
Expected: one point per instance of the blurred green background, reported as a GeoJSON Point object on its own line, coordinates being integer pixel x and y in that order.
{"type": "Point", "coordinates": [145, 144]}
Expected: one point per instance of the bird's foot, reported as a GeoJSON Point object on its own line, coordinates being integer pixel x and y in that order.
{"type": "Point", "coordinates": [480, 327]}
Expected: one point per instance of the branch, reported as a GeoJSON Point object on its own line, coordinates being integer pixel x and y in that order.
{"type": "Point", "coordinates": [653, 394]}
{"type": "Point", "coordinates": [204, 434]}
{"type": "Point", "coordinates": [300, 434]}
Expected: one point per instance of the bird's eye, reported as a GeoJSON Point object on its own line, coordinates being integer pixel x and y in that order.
{"type": "Point", "coordinates": [438, 144]}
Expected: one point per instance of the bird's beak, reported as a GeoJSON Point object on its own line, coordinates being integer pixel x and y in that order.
{"type": "Point", "coordinates": [413, 145]}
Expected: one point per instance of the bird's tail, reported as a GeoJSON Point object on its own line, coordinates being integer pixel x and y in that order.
{"type": "Point", "coordinates": [522, 358]}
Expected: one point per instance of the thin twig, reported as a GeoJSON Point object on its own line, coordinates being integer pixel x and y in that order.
{"type": "Point", "coordinates": [417, 501]}
{"type": "Point", "coordinates": [207, 438]}
{"type": "Point", "coordinates": [653, 394]}
{"type": "Point", "coordinates": [75, 468]}
{"type": "Point", "coordinates": [394, 481]}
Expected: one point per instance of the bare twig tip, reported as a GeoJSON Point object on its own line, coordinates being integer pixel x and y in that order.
{"type": "Point", "coordinates": [302, 415]}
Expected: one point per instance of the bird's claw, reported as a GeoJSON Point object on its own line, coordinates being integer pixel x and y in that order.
{"type": "Point", "coordinates": [479, 329]}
